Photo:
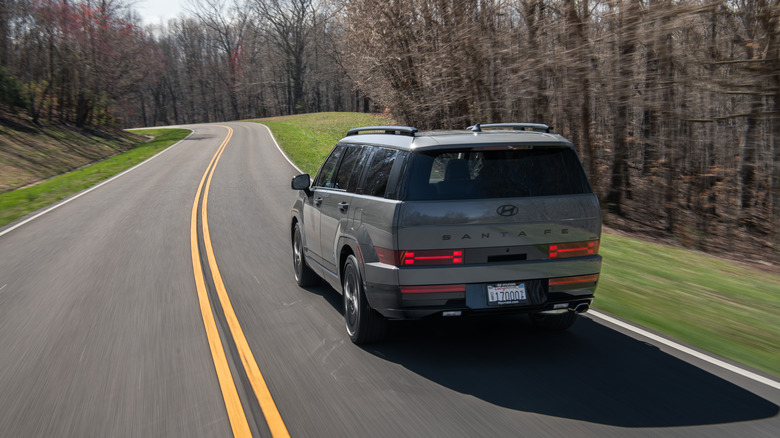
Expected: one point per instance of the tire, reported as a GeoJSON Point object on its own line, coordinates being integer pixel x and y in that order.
{"type": "Point", "coordinates": [304, 276]}
{"type": "Point", "coordinates": [554, 322]}
{"type": "Point", "coordinates": [364, 325]}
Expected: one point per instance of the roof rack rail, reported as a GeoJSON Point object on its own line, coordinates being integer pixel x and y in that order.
{"type": "Point", "coordinates": [396, 130]}
{"type": "Point", "coordinates": [538, 127]}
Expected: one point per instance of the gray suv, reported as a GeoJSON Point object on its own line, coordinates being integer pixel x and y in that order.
{"type": "Point", "coordinates": [498, 218]}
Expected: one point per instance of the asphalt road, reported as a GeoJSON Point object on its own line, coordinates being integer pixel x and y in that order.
{"type": "Point", "coordinates": [101, 332]}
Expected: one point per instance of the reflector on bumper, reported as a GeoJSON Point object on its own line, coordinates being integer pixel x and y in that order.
{"type": "Point", "coordinates": [433, 289]}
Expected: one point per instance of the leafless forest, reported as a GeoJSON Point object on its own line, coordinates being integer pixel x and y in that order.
{"type": "Point", "coordinates": [674, 106]}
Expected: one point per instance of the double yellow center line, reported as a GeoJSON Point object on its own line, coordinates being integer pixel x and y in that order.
{"type": "Point", "coordinates": [236, 414]}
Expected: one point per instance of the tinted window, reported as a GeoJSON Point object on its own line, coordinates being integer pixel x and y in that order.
{"type": "Point", "coordinates": [379, 171]}
{"type": "Point", "coordinates": [349, 171]}
{"type": "Point", "coordinates": [357, 171]}
{"type": "Point", "coordinates": [328, 169]}
{"type": "Point", "coordinates": [506, 173]}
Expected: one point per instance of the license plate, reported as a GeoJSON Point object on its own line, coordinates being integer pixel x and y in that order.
{"type": "Point", "coordinates": [505, 294]}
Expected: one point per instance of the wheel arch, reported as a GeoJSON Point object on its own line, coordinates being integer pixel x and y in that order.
{"type": "Point", "coordinates": [350, 247]}
{"type": "Point", "coordinates": [293, 222]}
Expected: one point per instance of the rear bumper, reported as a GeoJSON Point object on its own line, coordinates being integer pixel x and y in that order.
{"type": "Point", "coordinates": [383, 287]}
{"type": "Point", "coordinates": [392, 304]}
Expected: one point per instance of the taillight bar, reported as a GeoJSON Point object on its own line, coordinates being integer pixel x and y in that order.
{"type": "Point", "coordinates": [438, 288]}
{"type": "Point", "coordinates": [562, 281]}
{"type": "Point", "coordinates": [573, 249]}
{"type": "Point", "coordinates": [432, 257]}
{"type": "Point", "coordinates": [420, 257]}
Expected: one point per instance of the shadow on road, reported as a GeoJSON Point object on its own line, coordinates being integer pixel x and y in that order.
{"type": "Point", "coordinates": [590, 373]}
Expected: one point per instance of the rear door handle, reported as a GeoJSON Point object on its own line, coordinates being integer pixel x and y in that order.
{"type": "Point", "coordinates": [343, 206]}
{"type": "Point", "coordinates": [318, 201]}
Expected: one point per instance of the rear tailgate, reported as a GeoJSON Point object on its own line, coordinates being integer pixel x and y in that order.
{"type": "Point", "coordinates": [502, 239]}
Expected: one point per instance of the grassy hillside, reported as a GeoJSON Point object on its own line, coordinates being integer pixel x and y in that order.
{"type": "Point", "coordinates": [15, 204]}
{"type": "Point", "coordinates": [727, 308]}
{"type": "Point", "coordinates": [308, 138]}
{"type": "Point", "coordinates": [30, 153]}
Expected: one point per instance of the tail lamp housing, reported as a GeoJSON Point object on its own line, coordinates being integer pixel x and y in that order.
{"type": "Point", "coordinates": [428, 257]}
{"type": "Point", "coordinates": [573, 249]}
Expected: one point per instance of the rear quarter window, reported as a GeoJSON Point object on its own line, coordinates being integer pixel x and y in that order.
{"type": "Point", "coordinates": [378, 173]}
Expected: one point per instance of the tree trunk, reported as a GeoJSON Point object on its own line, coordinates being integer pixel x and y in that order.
{"type": "Point", "coordinates": [748, 180]}
{"type": "Point", "coordinates": [773, 59]}
{"type": "Point", "coordinates": [627, 21]}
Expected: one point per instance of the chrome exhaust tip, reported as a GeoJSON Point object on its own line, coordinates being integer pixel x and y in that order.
{"type": "Point", "coordinates": [582, 308]}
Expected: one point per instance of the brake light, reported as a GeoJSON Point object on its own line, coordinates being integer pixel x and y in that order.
{"type": "Point", "coordinates": [507, 148]}
{"type": "Point", "coordinates": [573, 249]}
{"type": "Point", "coordinates": [439, 288]}
{"type": "Point", "coordinates": [562, 281]}
{"type": "Point", "coordinates": [432, 257]}
{"type": "Point", "coordinates": [420, 257]}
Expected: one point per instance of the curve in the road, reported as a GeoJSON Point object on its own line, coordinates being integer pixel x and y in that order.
{"type": "Point", "coordinates": [238, 421]}
{"type": "Point", "coordinates": [259, 386]}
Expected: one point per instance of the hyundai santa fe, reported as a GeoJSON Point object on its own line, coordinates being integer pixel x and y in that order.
{"type": "Point", "coordinates": [497, 218]}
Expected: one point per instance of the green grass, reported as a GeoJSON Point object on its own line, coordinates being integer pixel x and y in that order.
{"type": "Point", "coordinates": [308, 138]}
{"type": "Point", "coordinates": [18, 203]}
{"type": "Point", "coordinates": [728, 309]}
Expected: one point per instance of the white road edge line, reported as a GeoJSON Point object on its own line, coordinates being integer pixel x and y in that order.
{"type": "Point", "coordinates": [280, 149]}
{"type": "Point", "coordinates": [632, 328]}
{"type": "Point", "coordinates": [80, 194]}
{"type": "Point", "coordinates": [686, 350]}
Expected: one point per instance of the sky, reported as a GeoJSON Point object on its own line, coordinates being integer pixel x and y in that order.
{"type": "Point", "coordinates": [157, 11]}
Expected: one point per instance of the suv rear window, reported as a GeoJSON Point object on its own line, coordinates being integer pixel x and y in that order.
{"type": "Point", "coordinates": [505, 173]}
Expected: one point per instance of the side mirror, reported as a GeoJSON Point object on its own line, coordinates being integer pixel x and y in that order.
{"type": "Point", "coordinates": [301, 182]}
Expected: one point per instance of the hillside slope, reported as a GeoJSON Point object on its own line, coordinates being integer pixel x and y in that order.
{"type": "Point", "coordinates": [30, 153]}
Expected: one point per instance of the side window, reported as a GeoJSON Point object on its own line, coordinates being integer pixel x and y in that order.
{"type": "Point", "coordinates": [360, 165]}
{"type": "Point", "coordinates": [379, 172]}
{"type": "Point", "coordinates": [328, 169]}
{"type": "Point", "coordinates": [349, 170]}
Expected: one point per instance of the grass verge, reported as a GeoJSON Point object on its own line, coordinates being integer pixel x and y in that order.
{"type": "Point", "coordinates": [18, 203]}
{"type": "Point", "coordinates": [728, 309]}
{"type": "Point", "coordinates": [308, 138]}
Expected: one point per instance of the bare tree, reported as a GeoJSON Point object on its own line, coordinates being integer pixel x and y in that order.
{"type": "Point", "coordinates": [290, 25]}
{"type": "Point", "coordinates": [228, 21]}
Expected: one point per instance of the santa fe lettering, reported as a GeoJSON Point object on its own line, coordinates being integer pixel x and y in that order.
{"type": "Point", "coordinates": [504, 234]}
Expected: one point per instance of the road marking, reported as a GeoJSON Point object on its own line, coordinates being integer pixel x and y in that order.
{"type": "Point", "coordinates": [686, 350]}
{"type": "Point", "coordinates": [272, 416]}
{"type": "Point", "coordinates": [280, 149]}
{"type": "Point", "coordinates": [80, 194]}
{"type": "Point", "coordinates": [235, 411]}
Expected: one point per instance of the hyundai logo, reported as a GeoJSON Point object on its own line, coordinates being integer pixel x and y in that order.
{"type": "Point", "coordinates": [507, 210]}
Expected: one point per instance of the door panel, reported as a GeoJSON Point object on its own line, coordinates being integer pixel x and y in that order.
{"type": "Point", "coordinates": [334, 220]}
{"type": "Point", "coordinates": [311, 226]}
{"type": "Point", "coordinates": [313, 204]}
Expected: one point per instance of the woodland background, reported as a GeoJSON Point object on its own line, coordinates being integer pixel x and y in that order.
{"type": "Point", "coordinates": [674, 106]}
